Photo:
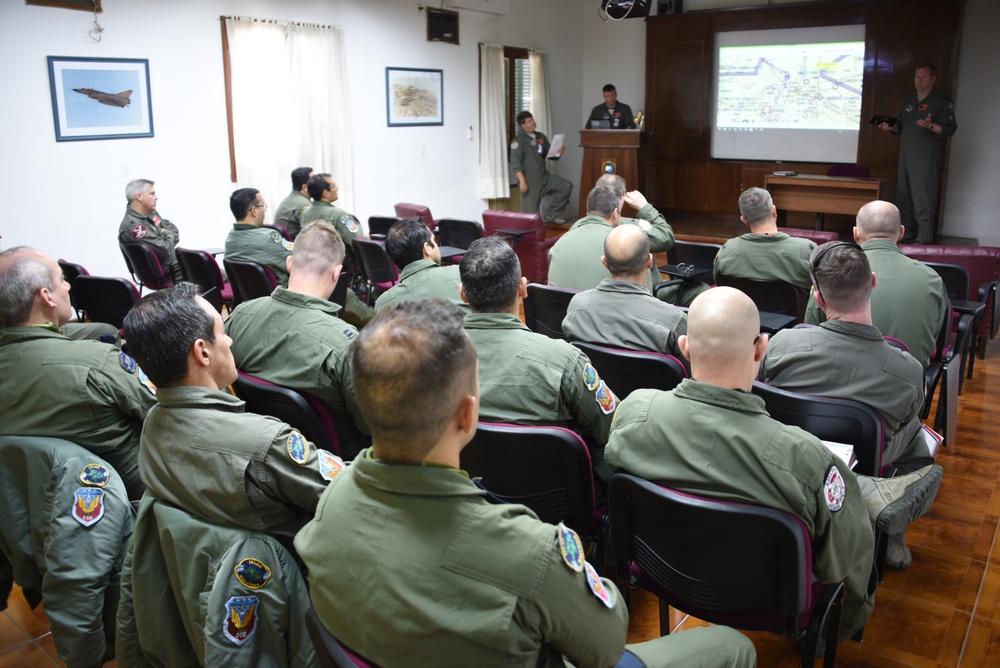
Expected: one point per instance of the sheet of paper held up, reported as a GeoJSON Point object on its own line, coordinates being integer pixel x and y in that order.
{"type": "Point", "coordinates": [557, 142]}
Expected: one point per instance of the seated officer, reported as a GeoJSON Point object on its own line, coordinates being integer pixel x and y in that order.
{"type": "Point", "coordinates": [411, 246]}
{"type": "Point", "coordinates": [294, 337]}
{"type": "Point", "coordinates": [846, 357]}
{"type": "Point", "coordinates": [730, 449]}
{"type": "Point", "coordinates": [84, 391]}
{"type": "Point", "coordinates": [250, 242]}
{"type": "Point", "coordinates": [289, 212]}
{"type": "Point", "coordinates": [528, 378]}
{"type": "Point", "coordinates": [200, 451]}
{"type": "Point", "coordinates": [620, 312]}
{"type": "Point", "coordinates": [411, 565]}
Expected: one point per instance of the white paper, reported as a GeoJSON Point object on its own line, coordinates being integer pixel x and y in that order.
{"type": "Point", "coordinates": [557, 142]}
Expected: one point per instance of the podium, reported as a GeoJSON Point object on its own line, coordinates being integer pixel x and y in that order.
{"type": "Point", "coordinates": [620, 147]}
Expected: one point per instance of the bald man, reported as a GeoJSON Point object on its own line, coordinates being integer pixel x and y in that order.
{"type": "Point", "coordinates": [620, 312]}
{"type": "Point", "coordinates": [910, 302]}
{"type": "Point", "coordinates": [730, 449]}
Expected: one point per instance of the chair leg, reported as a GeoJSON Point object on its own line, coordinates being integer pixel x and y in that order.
{"type": "Point", "coordinates": [947, 408]}
{"type": "Point", "coordinates": [664, 618]}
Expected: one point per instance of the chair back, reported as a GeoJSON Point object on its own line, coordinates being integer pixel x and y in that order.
{"type": "Point", "coordinates": [955, 277]}
{"type": "Point", "coordinates": [856, 171]}
{"type": "Point", "coordinates": [408, 210]}
{"type": "Point", "coordinates": [458, 233]}
{"type": "Point", "coordinates": [374, 263]}
{"type": "Point", "coordinates": [628, 370]}
{"type": "Point", "coordinates": [770, 296]}
{"type": "Point", "coordinates": [339, 294]}
{"type": "Point", "coordinates": [70, 271]}
{"type": "Point", "coordinates": [378, 226]}
{"type": "Point", "coordinates": [108, 299]}
{"type": "Point", "coordinates": [301, 410]}
{"type": "Point", "coordinates": [830, 419]}
{"type": "Point", "coordinates": [695, 253]}
{"type": "Point", "coordinates": [145, 267]}
{"type": "Point", "coordinates": [200, 267]}
{"type": "Point", "coordinates": [545, 307]}
{"type": "Point", "coordinates": [249, 280]}
{"type": "Point", "coordinates": [329, 651]}
{"type": "Point", "coordinates": [280, 229]}
{"type": "Point", "coordinates": [532, 248]}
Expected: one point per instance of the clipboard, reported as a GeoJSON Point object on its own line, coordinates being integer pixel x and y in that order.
{"type": "Point", "coordinates": [879, 120]}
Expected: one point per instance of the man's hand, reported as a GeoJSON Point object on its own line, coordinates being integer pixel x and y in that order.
{"type": "Point", "coordinates": [635, 199]}
{"type": "Point", "coordinates": [885, 126]}
{"type": "Point", "coordinates": [522, 183]}
{"type": "Point", "coordinates": [925, 123]}
{"type": "Point", "coordinates": [562, 149]}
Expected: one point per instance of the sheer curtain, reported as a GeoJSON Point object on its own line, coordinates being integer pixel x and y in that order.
{"type": "Point", "coordinates": [537, 64]}
{"type": "Point", "coordinates": [493, 166]}
{"type": "Point", "coordinates": [286, 80]}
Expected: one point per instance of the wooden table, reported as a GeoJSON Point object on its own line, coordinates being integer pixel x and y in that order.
{"type": "Point", "coordinates": [826, 194]}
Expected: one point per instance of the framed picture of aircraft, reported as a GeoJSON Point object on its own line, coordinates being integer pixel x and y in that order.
{"type": "Point", "coordinates": [100, 98]}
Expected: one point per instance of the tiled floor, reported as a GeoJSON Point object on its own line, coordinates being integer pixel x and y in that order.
{"type": "Point", "coordinates": [25, 638]}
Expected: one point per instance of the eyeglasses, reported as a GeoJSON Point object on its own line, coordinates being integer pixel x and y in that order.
{"type": "Point", "coordinates": [818, 259]}
{"type": "Point", "coordinates": [261, 206]}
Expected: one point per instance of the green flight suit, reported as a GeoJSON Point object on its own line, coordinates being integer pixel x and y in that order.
{"type": "Point", "coordinates": [197, 593]}
{"type": "Point", "coordinates": [412, 566]}
{"type": "Point", "coordinates": [848, 360]}
{"type": "Point", "coordinates": [769, 257]}
{"type": "Point", "coordinates": [65, 534]}
{"type": "Point", "coordinates": [91, 331]}
{"type": "Point", "coordinates": [909, 303]}
{"type": "Point", "coordinates": [85, 391]}
{"type": "Point", "coordinates": [527, 155]}
{"type": "Point", "coordinates": [622, 314]}
{"type": "Point", "coordinates": [528, 378]}
{"type": "Point", "coordinates": [721, 443]}
{"type": "Point", "coordinates": [289, 212]}
{"type": "Point", "coordinates": [297, 341]}
{"type": "Point", "coordinates": [159, 234]}
{"type": "Point", "coordinates": [262, 245]}
{"type": "Point", "coordinates": [424, 279]}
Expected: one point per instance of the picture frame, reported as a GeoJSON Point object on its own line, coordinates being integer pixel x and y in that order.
{"type": "Point", "coordinates": [100, 98]}
{"type": "Point", "coordinates": [85, 5]}
{"type": "Point", "coordinates": [414, 96]}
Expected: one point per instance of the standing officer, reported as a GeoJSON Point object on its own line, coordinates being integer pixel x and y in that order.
{"type": "Point", "coordinates": [617, 115]}
{"type": "Point", "coordinates": [527, 159]}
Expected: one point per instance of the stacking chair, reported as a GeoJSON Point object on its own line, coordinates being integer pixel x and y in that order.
{"type": "Point", "coordinates": [458, 233]}
{"type": "Point", "coordinates": [299, 409]}
{"type": "Point", "coordinates": [771, 296]}
{"type": "Point", "coordinates": [694, 253]}
{"type": "Point", "coordinates": [945, 370]}
{"type": "Point", "coordinates": [628, 370]}
{"type": "Point", "coordinates": [107, 299]}
{"type": "Point", "coordinates": [70, 271]}
{"type": "Point", "coordinates": [378, 270]}
{"type": "Point", "coordinates": [249, 280]}
{"type": "Point", "coordinates": [957, 284]}
{"type": "Point", "coordinates": [329, 651]}
{"type": "Point", "coordinates": [408, 210]}
{"type": "Point", "coordinates": [545, 468]}
{"type": "Point", "coordinates": [145, 267]}
{"type": "Point", "coordinates": [200, 267]}
{"type": "Point", "coordinates": [737, 564]}
{"type": "Point", "coordinates": [378, 226]}
{"type": "Point", "coordinates": [545, 307]}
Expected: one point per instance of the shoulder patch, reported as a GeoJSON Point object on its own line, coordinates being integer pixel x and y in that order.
{"type": "Point", "coordinates": [286, 244]}
{"type": "Point", "coordinates": [97, 475]}
{"type": "Point", "coordinates": [127, 362]}
{"type": "Point", "coordinates": [349, 333]}
{"type": "Point", "coordinates": [606, 398]}
{"type": "Point", "coordinates": [645, 225]}
{"type": "Point", "coordinates": [298, 448]}
{"type": "Point", "coordinates": [834, 489]}
{"type": "Point", "coordinates": [513, 145]}
{"type": "Point", "coordinates": [252, 573]}
{"type": "Point", "coordinates": [144, 379]}
{"type": "Point", "coordinates": [275, 237]}
{"type": "Point", "coordinates": [240, 624]}
{"type": "Point", "coordinates": [88, 505]}
{"type": "Point", "coordinates": [590, 377]}
{"type": "Point", "coordinates": [571, 548]}
{"type": "Point", "coordinates": [329, 464]}
{"type": "Point", "coordinates": [351, 224]}
{"type": "Point", "coordinates": [597, 587]}
{"type": "Point", "coordinates": [138, 231]}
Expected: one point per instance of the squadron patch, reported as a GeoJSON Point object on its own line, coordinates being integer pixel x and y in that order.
{"type": "Point", "coordinates": [127, 362]}
{"type": "Point", "coordinates": [240, 624]}
{"type": "Point", "coordinates": [349, 333]}
{"type": "Point", "coordinates": [513, 145]}
{"type": "Point", "coordinates": [922, 107]}
{"type": "Point", "coordinates": [97, 475]}
{"type": "Point", "coordinates": [590, 378]}
{"type": "Point", "coordinates": [298, 448]}
{"type": "Point", "coordinates": [329, 464]}
{"type": "Point", "coordinates": [252, 573]}
{"type": "Point", "coordinates": [138, 231]}
{"type": "Point", "coordinates": [88, 505]}
{"type": "Point", "coordinates": [909, 107]}
{"type": "Point", "coordinates": [645, 225]}
{"type": "Point", "coordinates": [834, 489]}
{"type": "Point", "coordinates": [144, 379]}
{"type": "Point", "coordinates": [571, 548]}
{"type": "Point", "coordinates": [352, 225]}
{"type": "Point", "coordinates": [597, 586]}
{"type": "Point", "coordinates": [606, 398]}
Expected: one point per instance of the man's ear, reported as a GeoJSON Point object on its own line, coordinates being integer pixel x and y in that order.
{"type": "Point", "coordinates": [199, 354]}
{"type": "Point", "coordinates": [522, 288]}
{"type": "Point", "coordinates": [682, 345]}
{"type": "Point", "coordinates": [902, 231]}
{"type": "Point", "coordinates": [604, 261]}
{"type": "Point", "coordinates": [461, 293]}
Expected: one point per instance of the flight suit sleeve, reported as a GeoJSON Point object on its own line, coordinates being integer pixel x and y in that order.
{"type": "Point", "coordinates": [128, 650]}
{"type": "Point", "coordinates": [170, 231]}
{"type": "Point", "coordinates": [299, 471]}
{"type": "Point", "coordinates": [114, 384]}
{"type": "Point", "coordinates": [348, 227]}
{"type": "Point", "coordinates": [945, 117]}
{"type": "Point", "coordinates": [517, 149]}
{"type": "Point", "coordinates": [164, 241]}
{"type": "Point", "coordinates": [659, 231]}
{"type": "Point", "coordinates": [592, 404]}
{"type": "Point", "coordinates": [339, 368]}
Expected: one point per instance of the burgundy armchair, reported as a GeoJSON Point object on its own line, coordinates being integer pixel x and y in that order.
{"type": "Point", "coordinates": [532, 249]}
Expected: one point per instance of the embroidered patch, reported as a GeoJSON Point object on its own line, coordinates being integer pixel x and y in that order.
{"type": "Point", "coordinates": [909, 107]}
{"type": "Point", "coordinates": [590, 378]}
{"type": "Point", "coordinates": [597, 587]}
{"type": "Point", "coordinates": [645, 225]}
{"type": "Point", "coordinates": [533, 142]}
{"type": "Point", "coordinates": [127, 362]}
{"type": "Point", "coordinates": [608, 167]}
{"type": "Point", "coordinates": [252, 574]}
{"type": "Point", "coordinates": [606, 398]}
{"type": "Point", "coordinates": [275, 237]}
{"type": "Point", "coordinates": [349, 333]}
{"type": "Point", "coordinates": [570, 547]}
{"type": "Point", "coordinates": [329, 464]}
{"type": "Point", "coordinates": [156, 219]}
{"type": "Point", "coordinates": [513, 145]}
{"type": "Point", "coordinates": [144, 379]}
{"type": "Point", "coordinates": [298, 448]}
{"type": "Point", "coordinates": [352, 224]}
{"type": "Point", "coordinates": [286, 244]}
{"type": "Point", "coordinates": [241, 619]}
{"type": "Point", "coordinates": [922, 107]}
{"type": "Point", "coordinates": [834, 489]}
{"type": "Point", "coordinates": [138, 231]}
{"type": "Point", "coordinates": [88, 505]}
{"type": "Point", "coordinates": [95, 474]}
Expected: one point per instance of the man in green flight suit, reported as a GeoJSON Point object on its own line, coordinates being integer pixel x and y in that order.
{"type": "Point", "coordinates": [85, 391]}
{"type": "Point", "coordinates": [410, 245]}
{"type": "Point", "coordinates": [730, 449]}
{"type": "Point", "coordinates": [249, 241]}
{"type": "Point", "coordinates": [142, 224]}
{"type": "Point", "coordinates": [528, 152]}
{"type": "Point", "coordinates": [405, 546]}
{"type": "Point", "coordinates": [289, 212]}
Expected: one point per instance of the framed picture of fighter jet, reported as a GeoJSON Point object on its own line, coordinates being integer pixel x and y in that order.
{"type": "Point", "coordinates": [100, 98]}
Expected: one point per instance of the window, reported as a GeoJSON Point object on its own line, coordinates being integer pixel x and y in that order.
{"type": "Point", "coordinates": [517, 71]}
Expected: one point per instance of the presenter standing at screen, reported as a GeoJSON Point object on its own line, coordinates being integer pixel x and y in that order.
{"type": "Point", "coordinates": [617, 115]}
{"type": "Point", "coordinates": [924, 118]}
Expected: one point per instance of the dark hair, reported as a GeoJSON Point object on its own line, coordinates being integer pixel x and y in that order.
{"type": "Point", "coordinates": [317, 184]}
{"type": "Point", "coordinates": [491, 275]}
{"type": "Point", "coordinates": [300, 176]}
{"type": "Point", "coordinates": [841, 274]}
{"type": "Point", "coordinates": [603, 200]}
{"type": "Point", "coordinates": [609, 88]}
{"type": "Point", "coordinates": [634, 252]}
{"type": "Point", "coordinates": [523, 116]}
{"type": "Point", "coordinates": [161, 329]}
{"type": "Point", "coordinates": [927, 66]}
{"type": "Point", "coordinates": [411, 365]}
{"type": "Point", "coordinates": [405, 241]}
{"type": "Point", "coordinates": [242, 201]}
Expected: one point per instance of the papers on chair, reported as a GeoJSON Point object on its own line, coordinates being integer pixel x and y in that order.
{"type": "Point", "coordinates": [932, 439]}
{"type": "Point", "coordinates": [557, 143]}
{"type": "Point", "coordinates": [843, 450]}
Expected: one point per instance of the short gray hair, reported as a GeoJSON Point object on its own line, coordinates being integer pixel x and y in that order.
{"type": "Point", "coordinates": [22, 274]}
{"type": "Point", "coordinates": [136, 188]}
{"type": "Point", "coordinates": [755, 205]}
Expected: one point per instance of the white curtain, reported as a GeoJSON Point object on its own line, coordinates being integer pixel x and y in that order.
{"type": "Point", "coordinates": [287, 79]}
{"type": "Point", "coordinates": [493, 166]}
{"type": "Point", "coordinates": [537, 65]}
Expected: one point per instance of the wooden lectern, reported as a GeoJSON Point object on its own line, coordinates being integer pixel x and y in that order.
{"type": "Point", "coordinates": [620, 147]}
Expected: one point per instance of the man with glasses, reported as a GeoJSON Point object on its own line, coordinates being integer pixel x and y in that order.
{"type": "Point", "coordinates": [249, 241]}
{"type": "Point", "coordinates": [847, 358]}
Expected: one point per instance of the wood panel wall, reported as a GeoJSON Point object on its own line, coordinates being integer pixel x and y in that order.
{"type": "Point", "coordinates": [678, 173]}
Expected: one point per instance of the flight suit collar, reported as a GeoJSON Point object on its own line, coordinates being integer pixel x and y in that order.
{"type": "Point", "coordinates": [299, 300]}
{"type": "Point", "coordinates": [765, 238]}
{"type": "Point", "coordinates": [880, 244]}
{"type": "Point", "coordinates": [855, 329]}
{"type": "Point", "coordinates": [29, 333]}
{"type": "Point", "coordinates": [720, 396]}
{"type": "Point", "coordinates": [619, 287]}
{"type": "Point", "coordinates": [415, 267]}
{"type": "Point", "coordinates": [494, 321]}
{"type": "Point", "coordinates": [589, 220]}
{"type": "Point", "coordinates": [198, 397]}
{"type": "Point", "coordinates": [153, 217]}
{"type": "Point", "coordinates": [245, 226]}
{"type": "Point", "coordinates": [412, 479]}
